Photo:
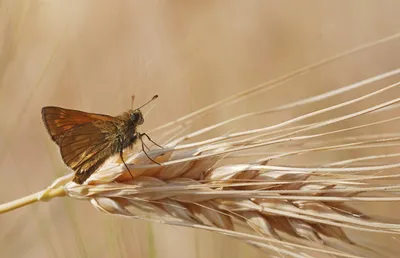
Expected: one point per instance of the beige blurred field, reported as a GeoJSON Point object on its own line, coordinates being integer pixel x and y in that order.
{"type": "Point", "coordinates": [93, 55]}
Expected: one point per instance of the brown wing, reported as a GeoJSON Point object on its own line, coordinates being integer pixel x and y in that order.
{"type": "Point", "coordinates": [84, 148]}
{"type": "Point", "coordinates": [59, 120]}
{"type": "Point", "coordinates": [86, 140]}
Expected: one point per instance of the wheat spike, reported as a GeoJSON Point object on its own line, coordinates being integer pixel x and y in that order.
{"type": "Point", "coordinates": [238, 184]}
{"type": "Point", "coordinates": [281, 209]}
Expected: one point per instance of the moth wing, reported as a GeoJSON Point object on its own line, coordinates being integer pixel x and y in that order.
{"type": "Point", "coordinates": [84, 145]}
{"type": "Point", "coordinates": [60, 120]}
{"type": "Point", "coordinates": [86, 140]}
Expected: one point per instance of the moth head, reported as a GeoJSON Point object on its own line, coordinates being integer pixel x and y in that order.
{"type": "Point", "coordinates": [136, 117]}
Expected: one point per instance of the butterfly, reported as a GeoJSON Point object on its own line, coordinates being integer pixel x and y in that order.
{"type": "Point", "coordinates": [87, 140]}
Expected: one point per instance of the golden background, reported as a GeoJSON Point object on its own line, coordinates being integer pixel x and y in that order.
{"type": "Point", "coordinates": [93, 55]}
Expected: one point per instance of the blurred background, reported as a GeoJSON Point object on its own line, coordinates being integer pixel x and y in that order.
{"type": "Point", "coordinates": [93, 55]}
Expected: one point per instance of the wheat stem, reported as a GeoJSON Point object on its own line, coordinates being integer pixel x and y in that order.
{"type": "Point", "coordinates": [44, 195]}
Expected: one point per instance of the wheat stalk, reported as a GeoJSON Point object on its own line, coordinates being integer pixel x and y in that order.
{"type": "Point", "coordinates": [235, 185]}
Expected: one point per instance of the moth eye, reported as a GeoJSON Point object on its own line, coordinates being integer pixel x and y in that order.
{"type": "Point", "coordinates": [137, 117]}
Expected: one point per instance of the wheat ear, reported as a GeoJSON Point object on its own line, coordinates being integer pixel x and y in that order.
{"type": "Point", "coordinates": [235, 184]}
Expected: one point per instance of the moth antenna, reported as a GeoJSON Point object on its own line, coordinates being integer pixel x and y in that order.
{"type": "Point", "coordinates": [133, 98]}
{"type": "Point", "coordinates": [153, 98]}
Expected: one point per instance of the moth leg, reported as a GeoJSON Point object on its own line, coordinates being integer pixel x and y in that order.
{"type": "Point", "coordinates": [123, 161]}
{"type": "Point", "coordinates": [147, 155]}
{"type": "Point", "coordinates": [144, 144]}
{"type": "Point", "coordinates": [148, 137]}
{"type": "Point", "coordinates": [121, 152]}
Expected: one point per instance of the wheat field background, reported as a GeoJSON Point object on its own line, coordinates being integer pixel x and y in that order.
{"type": "Point", "coordinates": [93, 55]}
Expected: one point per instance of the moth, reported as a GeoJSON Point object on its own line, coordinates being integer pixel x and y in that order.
{"type": "Point", "coordinates": [87, 140]}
